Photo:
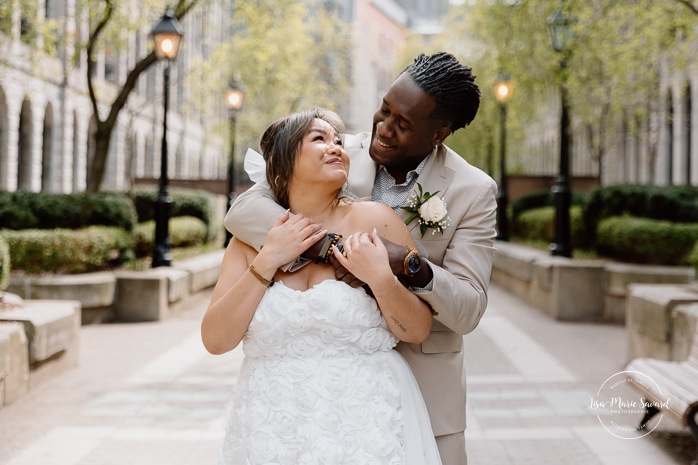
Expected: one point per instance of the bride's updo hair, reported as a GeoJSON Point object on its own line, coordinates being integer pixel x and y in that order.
{"type": "Point", "coordinates": [283, 139]}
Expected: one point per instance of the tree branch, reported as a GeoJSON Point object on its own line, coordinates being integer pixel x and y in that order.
{"type": "Point", "coordinates": [128, 86]}
{"type": "Point", "coordinates": [689, 4]}
{"type": "Point", "coordinates": [181, 10]}
{"type": "Point", "coordinates": [91, 43]}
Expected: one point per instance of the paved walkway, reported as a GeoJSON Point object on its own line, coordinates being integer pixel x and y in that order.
{"type": "Point", "coordinates": [148, 394]}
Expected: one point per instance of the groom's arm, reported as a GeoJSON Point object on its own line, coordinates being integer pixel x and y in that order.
{"type": "Point", "coordinates": [458, 291]}
{"type": "Point", "coordinates": [253, 214]}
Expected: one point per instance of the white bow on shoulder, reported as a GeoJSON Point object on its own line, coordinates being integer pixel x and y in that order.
{"type": "Point", "coordinates": [256, 168]}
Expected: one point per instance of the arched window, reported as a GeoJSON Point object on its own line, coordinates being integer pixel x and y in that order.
{"type": "Point", "coordinates": [47, 167]}
{"type": "Point", "coordinates": [24, 146]}
{"type": "Point", "coordinates": [149, 171]}
{"type": "Point", "coordinates": [687, 149]}
{"type": "Point", "coordinates": [90, 153]}
{"type": "Point", "coordinates": [4, 144]}
{"type": "Point", "coordinates": [669, 125]}
{"type": "Point", "coordinates": [79, 161]}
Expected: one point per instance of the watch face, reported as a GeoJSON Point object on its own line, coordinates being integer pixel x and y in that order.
{"type": "Point", "coordinates": [414, 263]}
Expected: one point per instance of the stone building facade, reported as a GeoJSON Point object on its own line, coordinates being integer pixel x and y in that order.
{"type": "Point", "coordinates": [45, 113]}
{"type": "Point", "coordinates": [660, 148]}
{"type": "Point", "coordinates": [46, 134]}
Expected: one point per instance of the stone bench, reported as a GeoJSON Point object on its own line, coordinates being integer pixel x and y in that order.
{"type": "Point", "coordinates": [94, 291]}
{"type": "Point", "coordinates": [655, 322]}
{"type": "Point", "coordinates": [51, 330]}
{"type": "Point", "coordinates": [125, 295]}
{"type": "Point", "coordinates": [674, 389]}
{"type": "Point", "coordinates": [203, 270]}
{"type": "Point", "coordinates": [14, 362]}
{"type": "Point", "coordinates": [575, 290]}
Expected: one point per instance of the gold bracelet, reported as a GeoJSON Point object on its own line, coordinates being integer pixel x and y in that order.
{"type": "Point", "coordinates": [389, 290]}
{"type": "Point", "coordinates": [262, 279]}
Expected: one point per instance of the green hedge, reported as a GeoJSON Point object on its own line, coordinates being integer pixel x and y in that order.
{"type": "Point", "coordinates": [184, 231]}
{"type": "Point", "coordinates": [541, 199]}
{"type": "Point", "coordinates": [4, 264]}
{"type": "Point", "coordinates": [538, 224]}
{"type": "Point", "coordinates": [185, 202]}
{"type": "Point", "coordinates": [644, 240]}
{"type": "Point", "coordinates": [37, 210]}
{"type": "Point", "coordinates": [671, 203]}
{"type": "Point", "coordinates": [37, 251]}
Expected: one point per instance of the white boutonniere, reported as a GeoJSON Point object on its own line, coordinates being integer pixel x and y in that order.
{"type": "Point", "coordinates": [429, 209]}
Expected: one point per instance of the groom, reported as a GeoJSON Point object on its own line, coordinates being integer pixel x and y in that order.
{"type": "Point", "coordinates": [429, 100]}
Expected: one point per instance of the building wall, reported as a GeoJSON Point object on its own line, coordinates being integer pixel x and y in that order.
{"type": "Point", "coordinates": [379, 32]}
{"type": "Point", "coordinates": [45, 122]}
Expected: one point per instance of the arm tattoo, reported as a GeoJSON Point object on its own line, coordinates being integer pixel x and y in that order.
{"type": "Point", "coordinates": [398, 324]}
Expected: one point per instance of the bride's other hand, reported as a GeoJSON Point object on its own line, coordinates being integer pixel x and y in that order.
{"type": "Point", "coordinates": [342, 274]}
{"type": "Point", "coordinates": [366, 258]}
{"type": "Point", "coordinates": [288, 238]}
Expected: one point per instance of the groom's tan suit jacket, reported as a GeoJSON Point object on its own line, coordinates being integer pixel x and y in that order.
{"type": "Point", "coordinates": [461, 260]}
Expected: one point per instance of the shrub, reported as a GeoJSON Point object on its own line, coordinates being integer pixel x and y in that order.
{"type": "Point", "coordinates": [36, 210]}
{"type": "Point", "coordinates": [184, 231]}
{"type": "Point", "coordinates": [36, 251]}
{"type": "Point", "coordinates": [541, 199]}
{"type": "Point", "coordinates": [672, 203]}
{"type": "Point", "coordinates": [4, 264]}
{"type": "Point", "coordinates": [643, 240]}
{"type": "Point", "coordinates": [185, 202]}
{"type": "Point", "coordinates": [693, 258]}
{"type": "Point", "coordinates": [538, 224]}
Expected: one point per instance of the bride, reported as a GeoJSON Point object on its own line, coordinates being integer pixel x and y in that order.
{"type": "Point", "coordinates": [320, 382]}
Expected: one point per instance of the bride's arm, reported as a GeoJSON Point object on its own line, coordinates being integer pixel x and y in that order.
{"type": "Point", "coordinates": [240, 287]}
{"type": "Point", "coordinates": [408, 317]}
{"type": "Point", "coordinates": [233, 302]}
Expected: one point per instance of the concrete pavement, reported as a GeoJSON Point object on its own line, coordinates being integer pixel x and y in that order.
{"type": "Point", "coordinates": [149, 394]}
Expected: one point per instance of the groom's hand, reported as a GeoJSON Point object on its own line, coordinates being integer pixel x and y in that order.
{"type": "Point", "coordinates": [313, 251]}
{"type": "Point", "coordinates": [342, 274]}
{"type": "Point", "coordinates": [396, 256]}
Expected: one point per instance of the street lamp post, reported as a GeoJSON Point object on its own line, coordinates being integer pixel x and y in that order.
{"type": "Point", "coordinates": [561, 38]}
{"type": "Point", "coordinates": [503, 90]}
{"type": "Point", "coordinates": [166, 36]}
{"type": "Point", "coordinates": [234, 98]}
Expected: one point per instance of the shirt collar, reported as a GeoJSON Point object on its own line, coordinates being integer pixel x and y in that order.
{"type": "Point", "coordinates": [412, 174]}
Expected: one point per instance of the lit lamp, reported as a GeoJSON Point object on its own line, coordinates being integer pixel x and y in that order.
{"type": "Point", "coordinates": [503, 90]}
{"type": "Point", "coordinates": [166, 36]}
{"type": "Point", "coordinates": [234, 98]}
{"type": "Point", "coordinates": [562, 38]}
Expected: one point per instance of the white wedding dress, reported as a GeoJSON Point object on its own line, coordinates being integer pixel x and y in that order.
{"type": "Point", "coordinates": [321, 384]}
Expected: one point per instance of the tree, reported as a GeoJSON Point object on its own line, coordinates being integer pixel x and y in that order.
{"type": "Point", "coordinates": [612, 73]}
{"type": "Point", "coordinates": [690, 5]}
{"type": "Point", "coordinates": [282, 72]}
{"type": "Point", "coordinates": [107, 19]}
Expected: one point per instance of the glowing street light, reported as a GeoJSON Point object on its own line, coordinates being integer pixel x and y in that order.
{"type": "Point", "coordinates": [503, 90]}
{"type": "Point", "coordinates": [166, 36]}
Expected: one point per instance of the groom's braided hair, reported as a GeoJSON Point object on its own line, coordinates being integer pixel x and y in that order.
{"type": "Point", "coordinates": [451, 84]}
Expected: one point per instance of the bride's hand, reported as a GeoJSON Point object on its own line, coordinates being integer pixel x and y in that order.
{"type": "Point", "coordinates": [288, 238]}
{"type": "Point", "coordinates": [366, 258]}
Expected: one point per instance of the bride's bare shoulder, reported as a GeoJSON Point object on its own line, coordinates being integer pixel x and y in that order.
{"type": "Point", "coordinates": [369, 213]}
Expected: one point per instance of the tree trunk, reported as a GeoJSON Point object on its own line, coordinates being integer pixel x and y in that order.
{"type": "Point", "coordinates": [98, 163]}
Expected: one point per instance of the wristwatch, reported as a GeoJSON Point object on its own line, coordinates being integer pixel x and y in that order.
{"type": "Point", "coordinates": [412, 263]}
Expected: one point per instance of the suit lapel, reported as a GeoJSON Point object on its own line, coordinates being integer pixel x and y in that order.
{"type": "Point", "coordinates": [362, 172]}
{"type": "Point", "coordinates": [435, 177]}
